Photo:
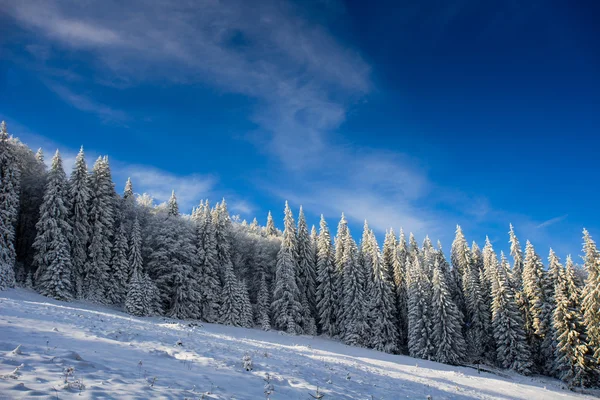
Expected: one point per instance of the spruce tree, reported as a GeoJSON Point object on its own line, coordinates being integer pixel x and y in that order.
{"type": "Point", "coordinates": [287, 306]}
{"type": "Point", "coordinates": [477, 311]}
{"type": "Point", "coordinates": [208, 277]}
{"type": "Point", "coordinates": [401, 258]}
{"type": "Point", "coordinates": [572, 354]}
{"type": "Point", "coordinates": [222, 225]}
{"type": "Point", "coordinates": [247, 316]}
{"type": "Point", "coordinates": [119, 269]}
{"type": "Point", "coordinates": [447, 335]}
{"type": "Point", "coordinates": [516, 253]}
{"type": "Point", "coordinates": [101, 229]}
{"type": "Point", "coordinates": [420, 328]}
{"type": "Point", "coordinates": [389, 251]}
{"type": "Point", "coordinates": [590, 303]}
{"type": "Point", "coordinates": [536, 293]}
{"type": "Point", "coordinates": [270, 228]}
{"type": "Point", "coordinates": [354, 302]}
{"type": "Point", "coordinates": [383, 333]}
{"type": "Point", "coordinates": [172, 206]}
{"type": "Point", "coordinates": [325, 280]}
{"type": "Point", "coordinates": [263, 305]}
{"type": "Point", "coordinates": [135, 302]}
{"type": "Point", "coordinates": [306, 272]}
{"type": "Point", "coordinates": [79, 202]}
{"type": "Point", "coordinates": [52, 250]}
{"type": "Point", "coordinates": [511, 343]}
{"type": "Point", "coordinates": [230, 307]}
{"type": "Point", "coordinates": [460, 257]}
{"type": "Point", "coordinates": [9, 208]}
{"type": "Point", "coordinates": [339, 243]}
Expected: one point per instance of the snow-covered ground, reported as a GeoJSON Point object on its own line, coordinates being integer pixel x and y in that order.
{"type": "Point", "coordinates": [114, 355]}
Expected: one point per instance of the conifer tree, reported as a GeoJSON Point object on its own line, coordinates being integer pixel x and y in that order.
{"type": "Point", "coordinates": [135, 302]}
{"type": "Point", "coordinates": [222, 225]}
{"type": "Point", "coordinates": [79, 201]}
{"type": "Point", "coordinates": [354, 302]}
{"type": "Point", "coordinates": [208, 276]}
{"type": "Point", "coordinates": [536, 293]}
{"type": "Point", "coordinates": [270, 228]}
{"type": "Point", "coordinates": [485, 284]}
{"type": "Point", "coordinates": [52, 250]}
{"type": "Point", "coordinates": [172, 206]}
{"type": "Point", "coordinates": [9, 208]}
{"type": "Point", "coordinates": [460, 257]}
{"type": "Point", "coordinates": [388, 252]}
{"type": "Point", "coordinates": [572, 354]}
{"type": "Point", "coordinates": [478, 314]}
{"type": "Point", "coordinates": [287, 306]}
{"type": "Point", "coordinates": [101, 229]}
{"type": "Point", "coordinates": [119, 269]}
{"type": "Point", "coordinates": [151, 295]}
{"type": "Point", "coordinates": [400, 283]}
{"type": "Point", "coordinates": [516, 253]}
{"type": "Point", "coordinates": [420, 328]}
{"type": "Point", "coordinates": [447, 335]}
{"type": "Point", "coordinates": [263, 305]}
{"type": "Point", "coordinates": [511, 343]}
{"type": "Point", "coordinates": [325, 280]}
{"type": "Point", "coordinates": [254, 228]}
{"type": "Point", "coordinates": [339, 243]}
{"type": "Point", "coordinates": [306, 272]}
{"type": "Point", "coordinates": [383, 333]}
{"type": "Point", "coordinates": [590, 303]}
{"type": "Point", "coordinates": [247, 317]}
{"type": "Point", "coordinates": [231, 307]}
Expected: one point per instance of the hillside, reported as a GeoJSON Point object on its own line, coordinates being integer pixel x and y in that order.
{"type": "Point", "coordinates": [115, 355]}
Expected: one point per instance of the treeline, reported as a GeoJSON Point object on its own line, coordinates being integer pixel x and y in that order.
{"type": "Point", "coordinates": [74, 237]}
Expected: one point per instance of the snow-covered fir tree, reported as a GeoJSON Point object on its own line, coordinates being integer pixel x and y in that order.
{"type": "Point", "coordinates": [263, 304]}
{"type": "Point", "coordinates": [172, 206]}
{"type": "Point", "coordinates": [420, 327]}
{"type": "Point", "coordinates": [511, 342]}
{"type": "Point", "coordinates": [208, 276]}
{"type": "Point", "coordinates": [447, 338]}
{"type": "Point", "coordinates": [79, 201]}
{"type": "Point", "coordinates": [270, 228]}
{"type": "Point", "coordinates": [325, 280]}
{"type": "Point", "coordinates": [287, 306]}
{"type": "Point", "coordinates": [247, 316]}
{"type": "Point", "coordinates": [9, 208]}
{"type": "Point", "coordinates": [118, 268]}
{"type": "Point", "coordinates": [460, 257]}
{"type": "Point", "coordinates": [231, 307]}
{"type": "Point", "coordinates": [354, 303]}
{"type": "Point", "coordinates": [590, 302]}
{"type": "Point", "coordinates": [516, 253]}
{"type": "Point", "coordinates": [478, 318]}
{"type": "Point", "coordinates": [135, 302]}
{"type": "Point", "coordinates": [101, 216]}
{"type": "Point", "coordinates": [401, 258]}
{"type": "Point", "coordinates": [222, 225]}
{"type": "Point", "coordinates": [383, 335]}
{"type": "Point", "coordinates": [388, 251]}
{"type": "Point", "coordinates": [536, 292]}
{"type": "Point", "coordinates": [572, 354]}
{"type": "Point", "coordinates": [307, 273]}
{"type": "Point", "coordinates": [339, 243]}
{"type": "Point", "coordinates": [52, 251]}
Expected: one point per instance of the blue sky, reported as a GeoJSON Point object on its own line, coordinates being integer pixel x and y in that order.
{"type": "Point", "coordinates": [420, 114]}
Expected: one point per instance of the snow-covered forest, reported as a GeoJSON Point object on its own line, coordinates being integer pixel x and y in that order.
{"type": "Point", "coordinates": [74, 237]}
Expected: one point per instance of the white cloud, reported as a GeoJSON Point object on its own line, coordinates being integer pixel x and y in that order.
{"type": "Point", "coordinates": [552, 221]}
{"type": "Point", "coordinates": [84, 103]}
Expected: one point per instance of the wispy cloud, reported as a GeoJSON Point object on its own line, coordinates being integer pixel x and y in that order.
{"type": "Point", "coordinates": [84, 103]}
{"type": "Point", "coordinates": [552, 221]}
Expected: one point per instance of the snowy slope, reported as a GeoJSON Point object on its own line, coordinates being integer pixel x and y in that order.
{"type": "Point", "coordinates": [118, 356]}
